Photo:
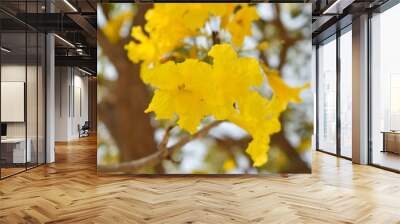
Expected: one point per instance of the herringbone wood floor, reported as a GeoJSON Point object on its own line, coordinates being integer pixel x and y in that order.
{"type": "Point", "coordinates": [70, 191]}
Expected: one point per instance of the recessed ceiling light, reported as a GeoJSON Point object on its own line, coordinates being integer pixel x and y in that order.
{"type": "Point", "coordinates": [84, 71]}
{"type": "Point", "coordinates": [5, 50]}
{"type": "Point", "coordinates": [70, 5]}
{"type": "Point", "coordinates": [337, 7]}
{"type": "Point", "coordinates": [65, 41]}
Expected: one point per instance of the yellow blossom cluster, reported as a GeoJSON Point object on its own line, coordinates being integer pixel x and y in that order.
{"type": "Point", "coordinates": [167, 25]}
{"type": "Point", "coordinates": [225, 87]}
{"type": "Point", "coordinates": [226, 90]}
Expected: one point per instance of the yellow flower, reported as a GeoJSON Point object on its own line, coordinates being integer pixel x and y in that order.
{"type": "Point", "coordinates": [166, 26]}
{"type": "Point", "coordinates": [229, 165]}
{"type": "Point", "coordinates": [240, 26]}
{"type": "Point", "coordinates": [145, 50]}
{"type": "Point", "coordinates": [260, 120]}
{"type": "Point", "coordinates": [182, 89]}
{"type": "Point", "coordinates": [283, 92]}
{"type": "Point", "coordinates": [233, 76]}
{"type": "Point", "coordinates": [113, 27]}
{"type": "Point", "coordinates": [258, 150]}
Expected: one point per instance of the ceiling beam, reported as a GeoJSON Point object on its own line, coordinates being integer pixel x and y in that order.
{"type": "Point", "coordinates": [77, 61]}
{"type": "Point", "coordinates": [84, 24]}
{"type": "Point", "coordinates": [49, 22]}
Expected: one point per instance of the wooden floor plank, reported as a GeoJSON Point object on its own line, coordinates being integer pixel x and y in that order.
{"type": "Point", "coordinates": [70, 191]}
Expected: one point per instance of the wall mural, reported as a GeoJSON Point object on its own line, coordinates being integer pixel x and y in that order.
{"type": "Point", "coordinates": [204, 88]}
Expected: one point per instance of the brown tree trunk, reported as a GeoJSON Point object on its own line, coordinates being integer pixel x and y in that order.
{"type": "Point", "coordinates": [122, 110]}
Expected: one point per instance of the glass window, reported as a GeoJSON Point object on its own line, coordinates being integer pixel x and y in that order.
{"type": "Point", "coordinates": [346, 94]}
{"type": "Point", "coordinates": [22, 91]}
{"type": "Point", "coordinates": [15, 151]}
{"type": "Point", "coordinates": [313, 83]}
{"type": "Point", "coordinates": [327, 97]}
{"type": "Point", "coordinates": [385, 89]}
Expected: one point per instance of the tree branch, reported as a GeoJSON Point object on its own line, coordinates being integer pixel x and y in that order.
{"type": "Point", "coordinates": [215, 38]}
{"type": "Point", "coordinates": [123, 111]}
{"type": "Point", "coordinates": [162, 152]}
{"type": "Point", "coordinates": [203, 132]}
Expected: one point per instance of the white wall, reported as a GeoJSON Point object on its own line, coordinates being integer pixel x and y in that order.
{"type": "Point", "coordinates": [12, 73]}
{"type": "Point", "coordinates": [71, 94]}
{"type": "Point", "coordinates": [61, 103]}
